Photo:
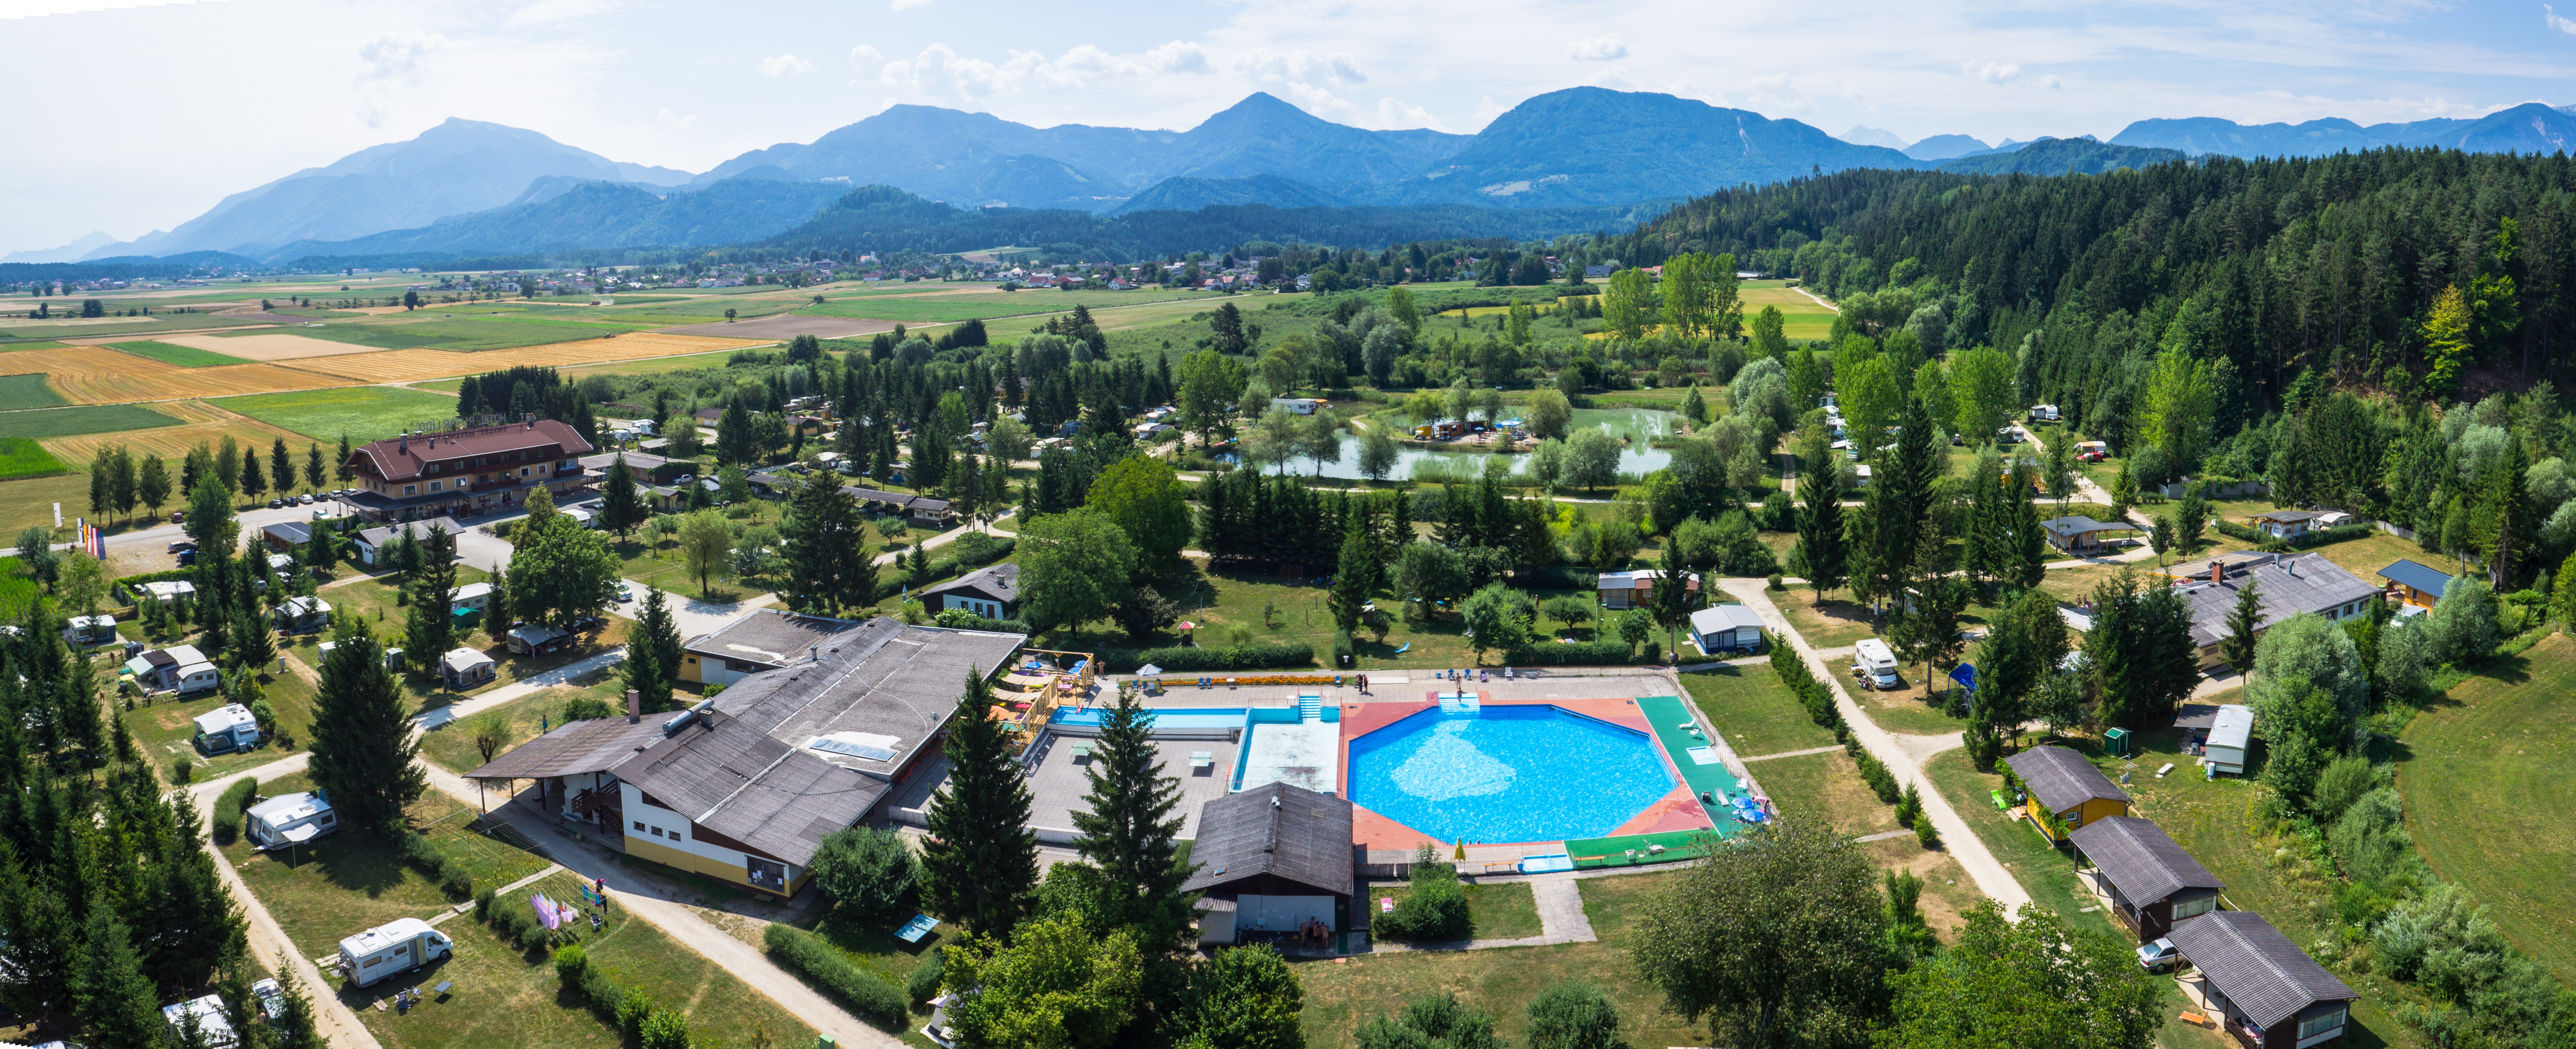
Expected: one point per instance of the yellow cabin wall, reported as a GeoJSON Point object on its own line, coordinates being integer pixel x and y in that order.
{"type": "Point", "coordinates": [689, 669]}
{"type": "Point", "coordinates": [2092, 810]}
{"type": "Point", "coordinates": [730, 873]}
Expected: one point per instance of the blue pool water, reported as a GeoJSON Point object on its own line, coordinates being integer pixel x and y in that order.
{"type": "Point", "coordinates": [1507, 774]}
{"type": "Point", "coordinates": [1200, 717]}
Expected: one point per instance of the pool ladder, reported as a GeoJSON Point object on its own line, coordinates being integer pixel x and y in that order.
{"type": "Point", "coordinates": [1310, 707]}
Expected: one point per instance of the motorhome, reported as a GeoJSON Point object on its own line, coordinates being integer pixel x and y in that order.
{"type": "Point", "coordinates": [1873, 665]}
{"type": "Point", "coordinates": [226, 729]}
{"type": "Point", "coordinates": [214, 1029]}
{"type": "Point", "coordinates": [291, 819]}
{"type": "Point", "coordinates": [377, 953]}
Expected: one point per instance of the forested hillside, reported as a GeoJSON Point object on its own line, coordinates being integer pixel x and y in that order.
{"type": "Point", "coordinates": [2291, 320]}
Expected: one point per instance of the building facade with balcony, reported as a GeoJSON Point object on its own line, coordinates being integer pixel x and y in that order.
{"type": "Point", "coordinates": [467, 473]}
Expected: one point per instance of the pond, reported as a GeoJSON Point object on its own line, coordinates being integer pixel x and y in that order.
{"type": "Point", "coordinates": [1641, 426]}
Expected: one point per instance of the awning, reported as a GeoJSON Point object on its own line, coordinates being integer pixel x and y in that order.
{"type": "Point", "coordinates": [300, 835]}
{"type": "Point", "coordinates": [1149, 670]}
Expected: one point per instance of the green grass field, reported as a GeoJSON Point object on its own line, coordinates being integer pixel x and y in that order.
{"type": "Point", "coordinates": [27, 391]}
{"type": "Point", "coordinates": [1755, 711]}
{"type": "Point", "coordinates": [23, 457]}
{"type": "Point", "coordinates": [10, 345]}
{"type": "Point", "coordinates": [989, 304]}
{"type": "Point", "coordinates": [2484, 777]}
{"type": "Point", "coordinates": [365, 413]}
{"type": "Point", "coordinates": [88, 418]}
{"type": "Point", "coordinates": [463, 333]}
{"type": "Point", "coordinates": [163, 731]}
{"type": "Point", "coordinates": [170, 353]}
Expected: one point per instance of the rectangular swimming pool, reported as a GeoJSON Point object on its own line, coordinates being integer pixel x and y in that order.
{"type": "Point", "coordinates": [1195, 717]}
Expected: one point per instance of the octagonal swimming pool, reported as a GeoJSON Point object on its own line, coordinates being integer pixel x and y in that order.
{"type": "Point", "coordinates": [1507, 774]}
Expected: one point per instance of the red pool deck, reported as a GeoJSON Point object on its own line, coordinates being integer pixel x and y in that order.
{"type": "Point", "coordinates": [1677, 810]}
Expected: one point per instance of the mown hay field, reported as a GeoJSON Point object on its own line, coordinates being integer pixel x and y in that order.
{"type": "Point", "coordinates": [364, 413]}
{"type": "Point", "coordinates": [84, 419]}
{"type": "Point", "coordinates": [414, 365]}
{"type": "Point", "coordinates": [98, 375]}
{"type": "Point", "coordinates": [199, 422]}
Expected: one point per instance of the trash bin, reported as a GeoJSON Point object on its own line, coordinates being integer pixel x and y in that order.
{"type": "Point", "coordinates": [2117, 742]}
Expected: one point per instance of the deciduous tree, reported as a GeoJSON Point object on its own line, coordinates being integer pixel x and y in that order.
{"type": "Point", "coordinates": [1777, 940]}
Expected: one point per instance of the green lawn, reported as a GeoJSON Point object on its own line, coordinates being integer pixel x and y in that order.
{"type": "Point", "coordinates": [940, 308]}
{"type": "Point", "coordinates": [90, 418]}
{"type": "Point", "coordinates": [164, 731]}
{"type": "Point", "coordinates": [1755, 711]}
{"type": "Point", "coordinates": [1831, 623]}
{"type": "Point", "coordinates": [451, 745]}
{"type": "Point", "coordinates": [23, 457]}
{"type": "Point", "coordinates": [342, 884]}
{"type": "Point", "coordinates": [2484, 776]}
{"type": "Point", "coordinates": [27, 391]}
{"type": "Point", "coordinates": [364, 413]}
{"type": "Point", "coordinates": [172, 353]}
{"type": "Point", "coordinates": [463, 329]}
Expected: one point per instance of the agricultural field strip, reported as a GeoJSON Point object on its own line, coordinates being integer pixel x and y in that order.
{"type": "Point", "coordinates": [94, 375]}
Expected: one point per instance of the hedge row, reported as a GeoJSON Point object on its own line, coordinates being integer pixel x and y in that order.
{"type": "Point", "coordinates": [2264, 541]}
{"type": "Point", "coordinates": [1812, 694]}
{"type": "Point", "coordinates": [871, 998]}
{"type": "Point", "coordinates": [640, 1022]}
{"type": "Point", "coordinates": [1612, 652]}
{"type": "Point", "coordinates": [1193, 659]}
{"type": "Point", "coordinates": [451, 876]}
{"type": "Point", "coordinates": [230, 809]}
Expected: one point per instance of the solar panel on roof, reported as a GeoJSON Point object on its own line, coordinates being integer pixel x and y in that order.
{"type": "Point", "coordinates": [855, 750]}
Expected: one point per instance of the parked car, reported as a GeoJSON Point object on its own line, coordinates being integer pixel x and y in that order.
{"type": "Point", "coordinates": [181, 545]}
{"type": "Point", "coordinates": [2158, 956]}
{"type": "Point", "coordinates": [178, 516]}
{"type": "Point", "coordinates": [275, 504]}
{"type": "Point", "coordinates": [308, 499]}
{"type": "Point", "coordinates": [625, 591]}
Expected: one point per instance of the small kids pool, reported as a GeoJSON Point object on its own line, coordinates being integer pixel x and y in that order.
{"type": "Point", "coordinates": [1507, 774]}
{"type": "Point", "coordinates": [1175, 718]}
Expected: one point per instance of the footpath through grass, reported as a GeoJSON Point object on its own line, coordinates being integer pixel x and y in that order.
{"type": "Point", "coordinates": [2485, 776]}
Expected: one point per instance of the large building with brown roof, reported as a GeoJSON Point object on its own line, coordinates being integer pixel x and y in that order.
{"type": "Point", "coordinates": [466, 472]}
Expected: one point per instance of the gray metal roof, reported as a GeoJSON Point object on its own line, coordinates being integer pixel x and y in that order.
{"type": "Point", "coordinates": [2061, 779]}
{"type": "Point", "coordinates": [575, 748]}
{"type": "Point", "coordinates": [2286, 516]}
{"type": "Point", "coordinates": [1276, 829]}
{"type": "Point", "coordinates": [2269, 978]}
{"type": "Point", "coordinates": [2065, 527]}
{"type": "Point", "coordinates": [2141, 859]}
{"type": "Point", "coordinates": [1000, 582]}
{"type": "Point", "coordinates": [2285, 585]}
{"type": "Point", "coordinates": [747, 771]}
{"type": "Point", "coordinates": [769, 636]}
{"type": "Point", "coordinates": [2233, 727]}
{"type": "Point", "coordinates": [383, 534]}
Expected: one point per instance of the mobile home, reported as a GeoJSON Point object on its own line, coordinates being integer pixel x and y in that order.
{"type": "Point", "coordinates": [291, 819]}
{"type": "Point", "coordinates": [1873, 664]}
{"type": "Point", "coordinates": [213, 1029]}
{"type": "Point", "coordinates": [226, 729]}
{"type": "Point", "coordinates": [377, 953]}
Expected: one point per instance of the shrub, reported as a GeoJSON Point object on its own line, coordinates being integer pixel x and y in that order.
{"type": "Point", "coordinates": [183, 771]}
{"type": "Point", "coordinates": [483, 906]}
{"type": "Point", "coordinates": [570, 963]}
{"type": "Point", "coordinates": [1924, 834]}
{"type": "Point", "coordinates": [1434, 907]}
{"type": "Point", "coordinates": [601, 991]}
{"type": "Point", "coordinates": [1193, 659]}
{"type": "Point", "coordinates": [1573, 1015]}
{"type": "Point", "coordinates": [665, 1029]}
{"type": "Point", "coordinates": [1343, 654]}
{"type": "Point", "coordinates": [457, 884]}
{"type": "Point", "coordinates": [632, 1009]}
{"type": "Point", "coordinates": [871, 998]}
{"type": "Point", "coordinates": [422, 853]}
{"type": "Point", "coordinates": [872, 873]}
{"type": "Point", "coordinates": [923, 984]}
{"type": "Point", "coordinates": [230, 808]}
{"type": "Point", "coordinates": [1876, 775]}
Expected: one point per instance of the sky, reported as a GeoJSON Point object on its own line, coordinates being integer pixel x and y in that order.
{"type": "Point", "coordinates": [136, 115]}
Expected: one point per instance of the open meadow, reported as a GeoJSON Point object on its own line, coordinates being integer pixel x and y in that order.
{"type": "Point", "coordinates": [196, 422]}
{"type": "Point", "coordinates": [184, 356]}
{"type": "Point", "coordinates": [986, 305]}
{"type": "Point", "coordinates": [364, 413]}
{"type": "Point", "coordinates": [409, 365]}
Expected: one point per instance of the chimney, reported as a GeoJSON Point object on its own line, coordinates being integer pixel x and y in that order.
{"type": "Point", "coordinates": [634, 706]}
{"type": "Point", "coordinates": [814, 653]}
{"type": "Point", "coordinates": [2217, 572]}
{"type": "Point", "coordinates": [531, 419]}
{"type": "Point", "coordinates": [406, 441]}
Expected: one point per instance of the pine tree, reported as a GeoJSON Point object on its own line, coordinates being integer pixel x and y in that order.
{"type": "Point", "coordinates": [1351, 578]}
{"type": "Point", "coordinates": [643, 674]}
{"type": "Point", "coordinates": [2237, 648]}
{"type": "Point", "coordinates": [110, 994]}
{"type": "Point", "coordinates": [828, 565]}
{"type": "Point", "coordinates": [620, 507]}
{"type": "Point", "coordinates": [1128, 828]}
{"type": "Point", "coordinates": [313, 473]}
{"type": "Point", "coordinates": [430, 630]}
{"type": "Point", "coordinates": [254, 648]}
{"type": "Point", "coordinates": [281, 465]}
{"type": "Point", "coordinates": [981, 861]}
{"type": "Point", "coordinates": [362, 744]}
{"type": "Point", "coordinates": [1820, 530]}
{"type": "Point", "coordinates": [345, 470]}
{"type": "Point", "coordinates": [252, 484]}
{"type": "Point", "coordinates": [655, 627]}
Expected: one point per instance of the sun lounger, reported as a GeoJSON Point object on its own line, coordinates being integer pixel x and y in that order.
{"type": "Point", "coordinates": [1200, 759]}
{"type": "Point", "coordinates": [1082, 750]}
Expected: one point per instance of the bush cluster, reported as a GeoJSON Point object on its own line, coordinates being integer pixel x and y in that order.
{"type": "Point", "coordinates": [637, 1019]}
{"type": "Point", "coordinates": [230, 809]}
{"type": "Point", "coordinates": [1193, 659]}
{"type": "Point", "coordinates": [871, 998]}
{"type": "Point", "coordinates": [1813, 694]}
{"type": "Point", "coordinates": [451, 876]}
{"type": "Point", "coordinates": [1434, 907]}
{"type": "Point", "coordinates": [923, 984]}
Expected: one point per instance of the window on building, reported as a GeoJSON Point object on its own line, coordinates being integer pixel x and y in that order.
{"type": "Point", "coordinates": [639, 824]}
{"type": "Point", "coordinates": [2194, 908]}
{"type": "Point", "coordinates": [433, 467]}
{"type": "Point", "coordinates": [2316, 1025]}
{"type": "Point", "coordinates": [411, 489]}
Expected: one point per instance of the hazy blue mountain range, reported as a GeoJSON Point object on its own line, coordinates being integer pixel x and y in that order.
{"type": "Point", "coordinates": [457, 167]}
{"type": "Point", "coordinates": [558, 213]}
{"type": "Point", "coordinates": [1944, 147]}
{"type": "Point", "coordinates": [1191, 194]}
{"type": "Point", "coordinates": [66, 253]}
{"type": "Point", "coordinates": [2527, 128]}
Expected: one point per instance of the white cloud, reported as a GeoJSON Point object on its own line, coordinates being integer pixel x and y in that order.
{"type": "Point", "coordinates": [550, 12]}
{"type": "Point", "coordinates": [39, 8]}
{"type": "Point", "coordinates": [1601, 48]}
{"type": "Point", "coordinates": [1295, 67]}
{"type": "Point", "coordinates": [2550, 17]}
{"type": "Point", "coordinates": [939, 72]}
{"type": "Point", "coordinates": [675, 121]}
{"type": "Point", "coordinates": [907, 5]}
{"type": "Point", "coordinates": [785, 65]}
{"type": "Point", "coordinates": [1992, 72]}
{"type": "Point", "coordinates": [396, 57]}
{"type": "Point", "coordinates": [1393, 113]}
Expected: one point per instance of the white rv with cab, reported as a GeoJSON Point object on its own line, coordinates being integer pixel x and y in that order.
{"type": "Point", "coordinates": [1873, 664]}
{"type": "Point", "coordinates": [377, 953]}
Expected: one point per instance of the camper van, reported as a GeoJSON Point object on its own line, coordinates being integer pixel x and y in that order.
{"type": "Point", "coordinates": [226, 729]}
{"type": "Point", "coordinates": [377, 953]}
{"type": "Point", "coordinates": [1873, 665]}
{"type": "Point", "coordinates": [213, 1027]}
{"type": "Point", "coordinates": [291, 819]}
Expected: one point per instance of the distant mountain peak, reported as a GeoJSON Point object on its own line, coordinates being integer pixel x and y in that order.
{"type": "Point", "coordinates": [1860, 135]}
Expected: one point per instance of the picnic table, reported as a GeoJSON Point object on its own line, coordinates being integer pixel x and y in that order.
{"type": "Point", "coordinates": [920, 926]}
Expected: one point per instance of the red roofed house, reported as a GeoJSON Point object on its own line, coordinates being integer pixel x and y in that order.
{"type": "Point", "coordinates": [464, 473]}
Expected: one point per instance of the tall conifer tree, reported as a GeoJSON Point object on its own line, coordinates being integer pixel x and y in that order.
{"type": "Point", "coordinates": [1129, 829]}
{"type": "Point", "coordinates": [981, 860]}
{"type": "Point", "coordinates": [362, 743]}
